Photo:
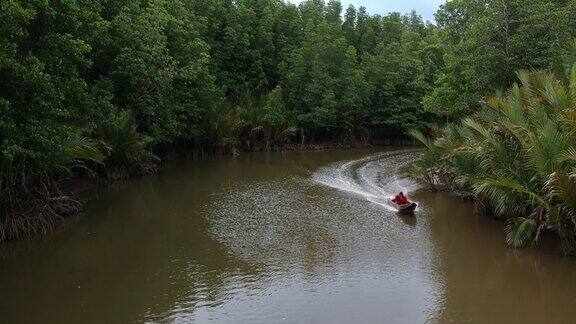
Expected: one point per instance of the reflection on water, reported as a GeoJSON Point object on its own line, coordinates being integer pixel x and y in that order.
{"type": "Point", "coordinates": [284, 237]}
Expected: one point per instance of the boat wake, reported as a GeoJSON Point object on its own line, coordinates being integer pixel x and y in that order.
{"type": "Point", "coordinates": [374, 178]}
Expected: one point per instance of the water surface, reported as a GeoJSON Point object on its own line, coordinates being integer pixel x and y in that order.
{"type": "Point", "coordinates": [281, 238]}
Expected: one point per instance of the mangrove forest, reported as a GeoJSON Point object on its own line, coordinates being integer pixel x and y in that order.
{"type": "Point", "coordinates": [107, 90]}
{"type": "Point", "coordinates": [287, 161]}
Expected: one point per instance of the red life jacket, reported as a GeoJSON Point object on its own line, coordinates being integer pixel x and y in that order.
{"type": "Point", "coordinates": [400, 200]}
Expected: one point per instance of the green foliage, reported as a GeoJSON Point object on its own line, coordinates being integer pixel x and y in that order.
{"type": "Point", "coordinates": [520, 231]}
{"type": "Point", "coordinates": [516, 157]}
{"type": "Point", "coordinates": [325, 88]}
{"type": "Point", "coordinates": [399, 75]}
{"type": "Point", "coordinates": [486, 41]}
{"type": "Point", "coordinates": [269, 121]}
{"type": "Point", "coordinates": [211, 73]}
{"type": "Point", "coordinates": [126, 149]}
{"type": "Point", "coordinates": [160, 68]}
{"type": "Point", "coordinates": [30, 201]}
{"type": "Point", "coordinates": [154, 76]}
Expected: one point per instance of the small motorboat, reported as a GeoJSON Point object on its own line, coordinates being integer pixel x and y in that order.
{"type": "Point", "coordinates": [407, 208]}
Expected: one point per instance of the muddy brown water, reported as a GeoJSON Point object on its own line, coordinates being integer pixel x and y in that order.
{"type": "Point", "coordinates": [298, 237]}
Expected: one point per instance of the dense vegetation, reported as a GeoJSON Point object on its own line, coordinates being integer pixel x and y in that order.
{"type": "Point", "coordinates": [516, 157]}
{"type": "Point", "coordinates": [104, 87]}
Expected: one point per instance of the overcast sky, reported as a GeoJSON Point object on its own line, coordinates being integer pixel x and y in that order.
{"type": "Point", "coordinates": [426, 8]}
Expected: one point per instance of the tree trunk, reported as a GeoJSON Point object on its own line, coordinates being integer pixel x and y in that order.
{"type": "Point", "coordinates": [267, 139]}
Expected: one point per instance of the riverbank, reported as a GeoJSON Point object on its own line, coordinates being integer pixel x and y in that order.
{"type": "Point", "coordinates": [516, 158]}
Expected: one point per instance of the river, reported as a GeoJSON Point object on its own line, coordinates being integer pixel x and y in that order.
{"type": "Point", "coordinates": [294, 237]}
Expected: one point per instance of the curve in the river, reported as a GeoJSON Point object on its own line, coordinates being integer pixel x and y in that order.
{"type": "Point", "coordinates": [374, 178]}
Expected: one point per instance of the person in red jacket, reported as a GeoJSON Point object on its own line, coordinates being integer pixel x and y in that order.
{"type": "Point", "coordinates": [400, 199]}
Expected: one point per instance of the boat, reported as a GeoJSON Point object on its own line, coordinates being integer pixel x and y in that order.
{"type": "Point", "coordinates": [407, 208]}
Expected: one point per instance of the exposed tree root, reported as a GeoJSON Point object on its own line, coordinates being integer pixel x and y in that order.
{"type": "Point", "coordinates": [34, 211]}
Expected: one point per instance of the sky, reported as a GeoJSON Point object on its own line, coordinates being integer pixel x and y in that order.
{"type": "Point", "coordinates": [426, 8]}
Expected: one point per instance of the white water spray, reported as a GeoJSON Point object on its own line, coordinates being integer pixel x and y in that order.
{"type": "Point", "coordinates": [374, 178]}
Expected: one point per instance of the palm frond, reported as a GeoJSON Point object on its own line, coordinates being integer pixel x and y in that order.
{"type": "Point", "coordinates": [420, 137]}
{"type": "Point", "coordinates": [572, 84]}
{"type": "Point", "coordinates": [520, 231]}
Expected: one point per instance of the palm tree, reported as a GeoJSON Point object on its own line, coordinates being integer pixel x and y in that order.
{"type": "Point", "coordinates": [126, 149]}
{"type": "Point", "coordinates": [31, 200]}
{"type": "Point", "coordinates": [516, 157]}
